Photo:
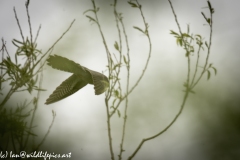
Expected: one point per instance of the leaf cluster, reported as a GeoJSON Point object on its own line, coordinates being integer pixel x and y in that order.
{"type": "Point", "coordinates": [118, 63]}
{"type": "Point", "coordinates": [195, 43]}
{"type": "Point", "coordinates": [21, 71]}
{"type": "Point", "coordinates": [12, 121]}
{"type": "Point", "coordinates": [21, 74]}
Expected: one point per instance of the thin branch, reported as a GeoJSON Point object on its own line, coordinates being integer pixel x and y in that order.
{"type": "Point", "coordinates": [209, 47]}
{"type": "Point", "coordinates": [9, 94]}
{"type": "Point", "coordinates": [149, 53]}
{"type": "Point", "coordinates": [196, 67]}
{"type": "Point", "coordinates": [29, 21]}
{"type": "Point", "coordinates": [44, 138]}
{"type": "Point", "coordinates": [127, 90]}
{"type": "Point", "coordinates": [2, 75]}
{"type": "Point", "coordinates": [35, 102]}
{"type": "Point", "coordinates": [51, 49]}
{"type": "Point", "coordinates": [146, 64]}
{"type": "Point", "coordinates": [39, 28]}
{"type": "Point", "coordinates": [110, 73]}
{"type": "Point", "coordinates": [13, 144]}
{"type": "Point", "coordinates": [102, 35]}
{"type": "Point", "coordinates": [109, 130]}
{"type": "Point", "coordinates": [184, 99]}
{"type": "Point", "coordinates": [4, 48]}
{"type": "Point", "coordinates": [18, 23]}
{"type": "Point", "coordinates": [164, 130]}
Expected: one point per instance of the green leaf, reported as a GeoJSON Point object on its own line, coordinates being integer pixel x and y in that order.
{"type": "Point", "coordinates": [215, 70]}
{"type": "Point", "coordinates": [91, 19]}
{"type": "Point", "coordinates": [134, 5]}
{"type": "Point", "coordinates": [119, 113]}
{"type": "Point", "coordinates": [188, 29]}
{"type": "Point", "coordinates": [125, 59]}
{"type": "Point", "coordinates": [191, 91]}
{"type": "Point", "coordinates": [210, 7]}
{"type": "Point", "coordinates": [15, 44]}
{"type": "Point", "coordinates": [209, 74]}
{"type": "Point", "coordinates": [14, 40]}
{"type": "Point", "coordinates": [179, 41]}
{"type": "Point", "coordinates": [209, 20]}
{"type": "Point", "coordinates": [30, 89]}
{"type": "Point", "coordinates": [116, 46]}
{"type": "Point", "coordinates": [204, 16]}
{"type": "Point", "coordinates": [174, 33]}
{"type": "Point", "coordinates": [206, 44]}
{"type": "Point", "coordinates": [40, 89]}
{"type": "Point", "coordinates": [35, 100]}
{"type": "Point", "coordinates": [212, 10]}
{"type": "Point", "coordinates": [97, 9]}
{"type": "Point", "coordinates": [89, 10]}
{"type": "Point", "coordinates": [114, 101]}
{"type": "Point", "coordinates": [30, 133]}
{"type": "Point", "coordinates": [117, 65]}
{"type": "Point", "coordinates": [186, 35]}
{"type": "Point", "coordinates": [139, 29]}
{"type": "Point", "coordinates": [191, 49]}
{"type": "Point", "coordinates": [112, 107]}
{"type": "Point", "coordinates": [116, 93]}
{"type": "Point", "coordinates": [197, 35]}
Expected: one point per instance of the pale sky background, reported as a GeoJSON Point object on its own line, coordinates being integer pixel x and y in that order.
{"type": "Point", "coordinates": [210, 119]}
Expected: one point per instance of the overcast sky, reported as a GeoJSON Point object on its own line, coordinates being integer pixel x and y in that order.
{"type": "Point", "coordinates": [80, 126]}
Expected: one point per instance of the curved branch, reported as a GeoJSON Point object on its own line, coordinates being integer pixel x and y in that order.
{"type": "Point", "coordinates": [164, 130]}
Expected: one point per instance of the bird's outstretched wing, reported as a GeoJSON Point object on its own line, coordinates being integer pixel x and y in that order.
{"type": "Point", "coordinates": [64, 64]}
{"type": "Point", "coordinates": [67, 88]}
{"type": "Point", "coordinates": [80, 78]}
{"type": "Point", "coordinates": [100, 81]}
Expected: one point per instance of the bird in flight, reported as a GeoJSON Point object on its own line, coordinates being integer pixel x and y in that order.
{"type": "Point", "coordinates": [81, 77]}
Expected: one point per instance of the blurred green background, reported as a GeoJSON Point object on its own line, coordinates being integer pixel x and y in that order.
{"type": "Point", "coordinates": [208, 128]}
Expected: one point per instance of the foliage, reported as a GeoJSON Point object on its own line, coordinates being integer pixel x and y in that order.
{"type": "Point", "coordinates": [27, 76]}
{"type": "Point", "coordinates": [115, 96]}
{"type": "Point", "coordinates": [19, 72]}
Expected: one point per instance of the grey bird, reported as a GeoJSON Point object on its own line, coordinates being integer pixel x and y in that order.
{"type": "Point", "coordinates": [81, 77]}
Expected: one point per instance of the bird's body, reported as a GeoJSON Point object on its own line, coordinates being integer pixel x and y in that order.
{"type": "Point", "coordinates": [81, 77]}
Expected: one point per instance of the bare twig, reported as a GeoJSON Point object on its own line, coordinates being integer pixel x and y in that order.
{"type": "Point", "coordinates": [35, 102]}
{"type": "Point", "coordinates": [196, 67]}
{"type": "Point", "coordinates": [44, 138]}
{"type": "Point", "coordinates": [149, 52]}
{"type": "Point", "coordinates": [109, 130]}
{"type": "Point", "coordinates": [35, 40]}
{"type": "Point", "coordinates": [18, 23]}
{"type": "Point", "coordinates": [164, 130]}
{"type": "Point", "coordinates": [9, 94]}
{"type": "Point", "coordinates": [146, 64]}
{"type": "Point", "coordinates": [108, 94]}
{"type": "Point", "coordinates": [127, 89]}
{"type": "Point", "coordinates": [208, 47]}
{"type": "Point", "coordinates": [51, 48]}
{"type": "Point", "coordinates": [29, 21]}
{"type": "Point", "coordinates": [188, 86]}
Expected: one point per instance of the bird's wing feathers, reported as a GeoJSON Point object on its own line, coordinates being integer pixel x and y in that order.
{"type": "Point", "coordinates": [80, 78]}
{"type": "Point", "coordinates": [64, 64]}
{"type": "Point", "coordinates": [67, 88]}
{"type": "Point", "coordinates": [100, 81]}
